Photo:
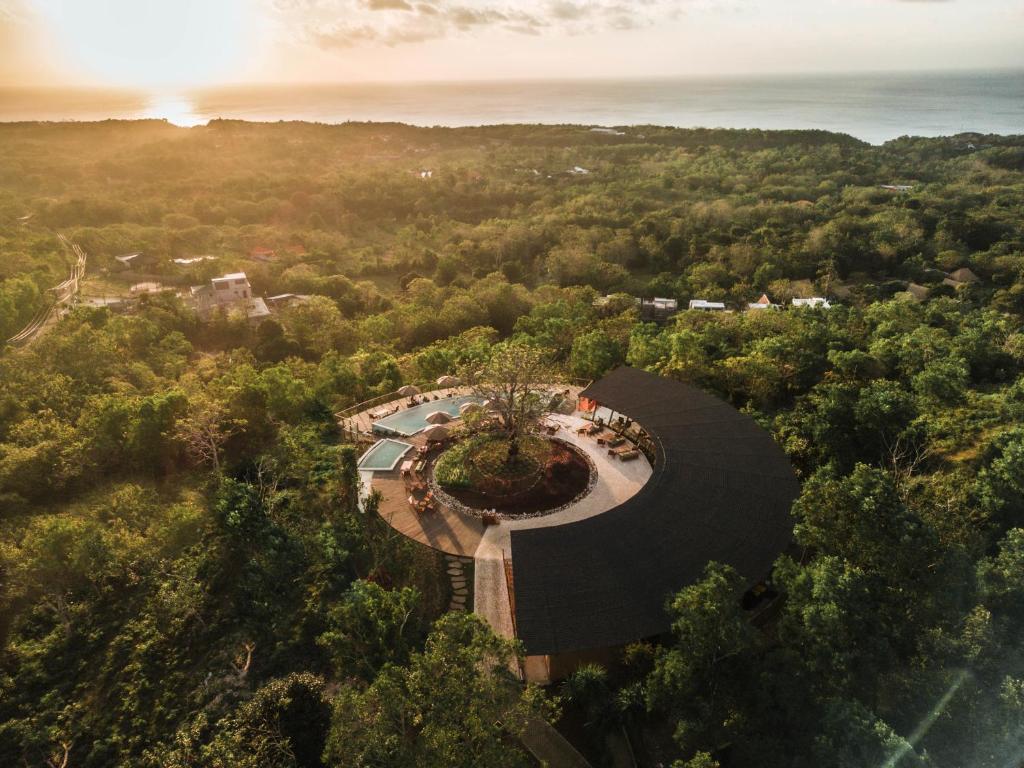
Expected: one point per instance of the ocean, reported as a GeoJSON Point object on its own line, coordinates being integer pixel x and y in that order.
{"type": "Point", "coordinates": [872, 107]}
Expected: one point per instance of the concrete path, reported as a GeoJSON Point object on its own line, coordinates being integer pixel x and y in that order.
{"type": "Point", "coordinates": [616, 482]}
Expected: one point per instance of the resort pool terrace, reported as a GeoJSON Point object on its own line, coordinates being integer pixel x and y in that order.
{"type": "Point", "coordinates": [384, 455]}
{"type": "Point", "coordinates": [409, 421]}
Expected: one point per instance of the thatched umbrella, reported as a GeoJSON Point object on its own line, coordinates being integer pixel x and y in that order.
{"type": "Point", "coordinates": [438, 417]}
{"type": "Point", "coordinates": [448, 381]}
{"type": "Point", "coordinates": [436, 433]}
{"type": "Point", "coordinates": [470, 408]}
{"type": "Point", "coordinates": [408, 391]}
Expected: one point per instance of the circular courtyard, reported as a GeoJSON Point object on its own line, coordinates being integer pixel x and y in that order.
{"type": "Point", "coordinates": [533, 474]}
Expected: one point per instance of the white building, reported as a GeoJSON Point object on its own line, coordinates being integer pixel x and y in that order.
{"type": "Point", "coordinates": [707, 306]}
{"type": "Point", "coordinates": [814, 302]}
{"type": "Point", "coordinates": [227, 293]}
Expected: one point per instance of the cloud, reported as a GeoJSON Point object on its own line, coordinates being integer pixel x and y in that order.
{"type": "Point", "coordinates": [334, 24]}
{"type": "Point", "coordinates": [387, 5]}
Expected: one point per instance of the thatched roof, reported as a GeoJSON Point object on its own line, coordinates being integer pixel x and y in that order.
{"type": "Point", "coordinates": [408, 390]}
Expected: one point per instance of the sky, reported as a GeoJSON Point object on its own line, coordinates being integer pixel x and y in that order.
{"type": "Point", "coordinates": [195, 43]}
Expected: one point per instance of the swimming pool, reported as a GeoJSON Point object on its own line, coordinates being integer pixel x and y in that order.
{"type": "Point", "coordinates": [384, 454]}
{"type": "Point", "coordinates": [409, 421]}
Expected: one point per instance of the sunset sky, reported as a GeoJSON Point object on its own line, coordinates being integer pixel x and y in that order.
{"type": "Point", "coordinates": [185, 43]}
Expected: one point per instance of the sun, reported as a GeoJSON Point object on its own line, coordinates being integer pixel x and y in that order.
{"type": "Point", "coordinates": [152, 44]}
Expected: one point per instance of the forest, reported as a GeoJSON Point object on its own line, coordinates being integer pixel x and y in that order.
{"type": "Point", "coordinates": [188, 577]}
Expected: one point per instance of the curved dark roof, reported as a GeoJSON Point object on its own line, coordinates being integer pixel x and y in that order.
{"type": "Point", "coordinates": [721, 490]}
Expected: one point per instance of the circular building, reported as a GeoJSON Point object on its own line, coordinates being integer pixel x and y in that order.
{"type": "Point", "coordinates": [678, 478]}
{"type": "Point", "coordinates": [721, 489]}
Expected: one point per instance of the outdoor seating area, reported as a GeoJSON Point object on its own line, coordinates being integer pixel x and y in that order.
{"type": "Point", "coordinates": [621, 437]}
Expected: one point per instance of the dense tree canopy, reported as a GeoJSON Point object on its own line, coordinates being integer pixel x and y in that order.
{"type": "Point", "coordinates": [189, 577]}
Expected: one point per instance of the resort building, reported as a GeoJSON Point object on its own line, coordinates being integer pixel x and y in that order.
{"type": "Point", "coordinates": [707, 306]}
{"type": "Point", "coordinates": [677, 478]}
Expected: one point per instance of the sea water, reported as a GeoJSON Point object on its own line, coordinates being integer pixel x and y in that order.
{"type": "Point", "coordinates": [873, 107]}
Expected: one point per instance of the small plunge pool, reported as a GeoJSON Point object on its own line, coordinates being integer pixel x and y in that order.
{"type": "Point", "coordinates": [384, 455]}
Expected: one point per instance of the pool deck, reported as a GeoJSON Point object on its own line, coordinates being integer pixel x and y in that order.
{"type": "Point", "coordinates": [456, 533]}
{"type": "Point", "coordinates": [446, 530]}
{"type": "Point", "coordinates": [363, 422]}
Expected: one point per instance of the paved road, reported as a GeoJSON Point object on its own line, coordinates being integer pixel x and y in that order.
{"type": "Point", "coordinates": [63, 294]}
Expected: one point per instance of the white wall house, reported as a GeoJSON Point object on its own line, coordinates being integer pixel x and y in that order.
{"type": "Point", "coordinates": [707, 306]}
{"type": "Point", "coordinates": [815, 302]}
{"type": "Point", "coordinates": [228, 292]}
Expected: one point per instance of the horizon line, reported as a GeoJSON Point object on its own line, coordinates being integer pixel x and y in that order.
{"type": "Point", "coordinates": [194, 88]}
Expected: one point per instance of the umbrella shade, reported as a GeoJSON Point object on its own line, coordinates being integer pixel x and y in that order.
{"type": "Point", "coordinates": [408, 391]}
{"type": "Point", "coordinates": [448, 381]}
{"type": "Point", "coordinates": [436, 432]}
{"type": "Point", "coordinates": [438, 417]}
{"type": "Point", "coordinates": [490, 405]}
{"type": "Point", "coordinates": [470, 408]}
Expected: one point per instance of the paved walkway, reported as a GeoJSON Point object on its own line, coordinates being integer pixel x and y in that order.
{"type": "Point", "coordinates": [462, 536]}
{"type": "Point", "coordinates": [616, 482]}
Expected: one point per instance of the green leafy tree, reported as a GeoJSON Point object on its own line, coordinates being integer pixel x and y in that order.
{"type": "Point", "coordinates": [456, 703]}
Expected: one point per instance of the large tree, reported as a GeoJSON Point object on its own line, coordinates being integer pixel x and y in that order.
{"type": "Point", "coordinates": [455, 704]}
{"type": "Point", "coordinates": [516, 380]}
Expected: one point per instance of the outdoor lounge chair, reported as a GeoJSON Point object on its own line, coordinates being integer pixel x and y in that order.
{"type": "Point", "coordinates": [615, 442]}
{"type": "Point", "coordinates": [629, 455]}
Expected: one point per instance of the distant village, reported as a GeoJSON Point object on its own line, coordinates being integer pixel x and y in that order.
{"type": "Point", "coordinates": [660, 309]}
{"type": "Point", "coordinates": [229, 294]}
{"type": "Point", "coordinates": [232, 294]}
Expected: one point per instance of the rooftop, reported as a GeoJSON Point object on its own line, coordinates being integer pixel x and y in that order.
{"type": "Point", "coordinates": [721, 489]}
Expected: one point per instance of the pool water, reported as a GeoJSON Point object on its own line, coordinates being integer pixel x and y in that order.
{"type": "Point", "coordinates": [409, 421]}
{"type": "Point", "coordinates": [384, 454]}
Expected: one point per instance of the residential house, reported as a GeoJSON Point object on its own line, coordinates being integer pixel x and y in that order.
{"type": "Point", "coordinates": [763, 303]}
{"type": "Point", "coordinates": [658, 308]}
{"type": "Point", "coordinates": [707, 306]}
{"type": "Point", "coordinates": [815, 302]}
{"type": "Point", "coordinates": [133, 260]}
{"type": "Point", "coordinates": [960, 277]}
{"type": "Point", "coordinates": [228, 293]}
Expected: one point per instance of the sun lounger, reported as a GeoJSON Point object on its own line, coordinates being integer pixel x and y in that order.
{"type": "Point", "coordinates": [615, 442]}
{"type": "Point", "coordinates": [629, 455]}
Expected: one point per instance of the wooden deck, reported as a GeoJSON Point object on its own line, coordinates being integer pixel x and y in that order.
{"type": "Point", "coordinates": [445, 530]}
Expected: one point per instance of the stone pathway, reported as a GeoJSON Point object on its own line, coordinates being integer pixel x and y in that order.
{"type": "Point", "coordinates": [460, 584]}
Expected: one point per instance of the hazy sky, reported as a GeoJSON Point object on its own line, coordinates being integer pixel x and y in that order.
{"type": "Point", "coordinates": [157, 43]}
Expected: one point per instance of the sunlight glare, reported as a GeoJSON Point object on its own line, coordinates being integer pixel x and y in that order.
{"type": "Point", "coordinates": [178, 110]}
{"type": "Point", "coordinates": [153, 43]}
